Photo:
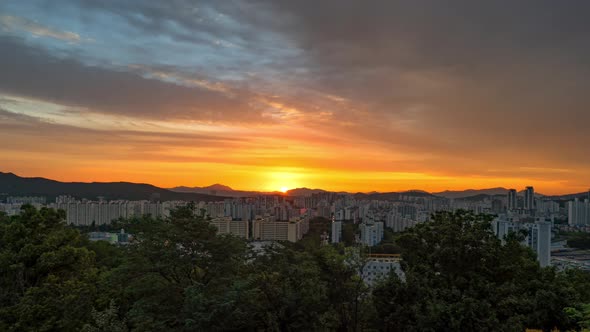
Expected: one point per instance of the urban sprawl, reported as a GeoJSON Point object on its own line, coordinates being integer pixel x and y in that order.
{"type": "Point", "coordinates": [286, 218]}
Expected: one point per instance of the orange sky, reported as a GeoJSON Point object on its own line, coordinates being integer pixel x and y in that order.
{"type": "Point", "coordinates": [247, 157]}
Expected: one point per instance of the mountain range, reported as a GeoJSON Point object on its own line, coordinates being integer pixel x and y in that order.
{"type": "Point", "coordinates": [472, 192]}
{"type": "Point", "coordinates": [222, 190]}
{"type": "Point", "coordinates": [11, 184]}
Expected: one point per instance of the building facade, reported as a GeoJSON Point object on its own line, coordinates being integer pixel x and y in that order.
{"type": "Point", "coordinates": [538, 236]}
{"type": "Point", "coordinates": [578, 212]}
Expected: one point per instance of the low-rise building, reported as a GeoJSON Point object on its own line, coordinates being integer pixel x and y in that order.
{"type": "Point", "coordinates": [267, 229]}
{"type": "Point", "coordinates": [225, 225]}
{"type": "Point", "coordinates": [379, 266]}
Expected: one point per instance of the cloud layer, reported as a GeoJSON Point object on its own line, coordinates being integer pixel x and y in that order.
{"type": "Point", "coordinates": [401, 93]}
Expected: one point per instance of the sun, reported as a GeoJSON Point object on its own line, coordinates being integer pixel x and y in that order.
{"type": "Point", "coordinates": [282, 181]}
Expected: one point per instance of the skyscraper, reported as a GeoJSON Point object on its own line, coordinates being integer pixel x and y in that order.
{"type": "Point", "coordinates": [512, 200]}
{"type": "Point", "coordinates": [529, 199]}
{"type": "Point", "coordinates": [336, 231]}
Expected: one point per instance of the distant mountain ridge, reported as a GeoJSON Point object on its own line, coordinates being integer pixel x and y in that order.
{"type": "Point", "coordinates": [304, 191]}
{"type": "Point", "coordinates": [218, 186]}
{"type": "Point", "coordinates": [219, 190]}
{"type": "Point", "coordinates": [472, 192]}
{"type": "Point", "coordinates": [12, 184]}
{"type": "Point", "coordinates": [388, 196]}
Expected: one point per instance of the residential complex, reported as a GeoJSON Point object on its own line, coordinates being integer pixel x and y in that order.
{"type": "Point", "coordinates": [537, 235]}
{"type": "Point", "coordinates": [284, 218]}
{"type": "Point", "coordinates": [226, 225]}
{"type": "Point", "coordinates": [579, 212]}
{"type": "Point", "coordinates": [265, 229]}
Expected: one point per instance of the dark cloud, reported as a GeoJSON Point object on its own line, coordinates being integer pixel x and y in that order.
{"type": "Point", "coordinates": [33, 72]}
{"type": "Point", "coordinates": [496, 76]}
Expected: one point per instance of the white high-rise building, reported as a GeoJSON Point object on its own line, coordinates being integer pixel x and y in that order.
{"type": "Point", "coordinates": [538, 236]}
{"type": "Point", "coordinates": [546, 207]}
{"type": "Point", "coordinates": [371, 234]}
{"type": "Point", "coordinates": [336, 231]}
{"type": "Point", "coordinates": [578, 212]}
{"type": "Point", "coordinates": [399, 223]}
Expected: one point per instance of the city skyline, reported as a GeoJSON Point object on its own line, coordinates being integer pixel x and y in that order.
{"type": "Point", "coordinates": [266, 95]}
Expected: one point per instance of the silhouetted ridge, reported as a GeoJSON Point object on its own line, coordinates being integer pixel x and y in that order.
{"type": "Point", "coordinates": [12, 184]}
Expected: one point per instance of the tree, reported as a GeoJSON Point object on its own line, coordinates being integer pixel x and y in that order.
{"type": "Point", "coordinates": [106, 321]}
{"type": "Point", "coordinates": [180, 275]}
{"type": "Point", "coordinates": [290, 287]}
{"type": "Point", "coordinates": [288, 293]}
{"type": "Point", "coordinates": [459, 276]}
{"type": "Point", "coordinates": [48, 278]}
{"type": "Point", "coordinates": [169, 266]}
{"type": "Point", "coordinates": [349, 232]}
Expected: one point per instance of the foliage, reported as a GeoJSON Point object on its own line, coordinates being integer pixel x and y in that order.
{"type": "Point", "coordinates": [172, 264]}
{"type": "Point", "coordinates": [349, 232]}
{"type": "Point", "coordinates": [388, 245]}
{"type": "Point", "coordinates": [317, 227]}
{"type": "Point", "coordinates": [459, 276]}
{"type": "Point", "coordinates": [106, 321]}
{"type": "Point", "coordinates": [48, 276]}
{"type": "Point", "coordinates": [179, 275]}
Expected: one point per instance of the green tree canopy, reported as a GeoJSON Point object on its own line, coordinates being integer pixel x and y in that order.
{"type": "Point", "coordinates": [48, 276]}
{"type": "Point", "coordinates": [460, 276]}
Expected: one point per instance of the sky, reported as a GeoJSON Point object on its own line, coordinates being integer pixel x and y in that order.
{"type": "Point", "coordinates": [268, 94]}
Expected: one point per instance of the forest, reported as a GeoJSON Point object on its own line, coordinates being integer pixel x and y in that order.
{"type": "Point", "coordinates": [179, 275]}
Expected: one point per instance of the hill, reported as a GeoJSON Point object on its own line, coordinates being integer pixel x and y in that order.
{"type": "Point", "coordinates": [11, 184]}
{"type": "Point", "coordinates": [472, 192]}
{"type": "Point", "coordinates": [304, 191]}
{"type": "Point", "coordinates": [392, 196]}
{"type": "Point", "coordinates": [219, 187]}
{"type": "Point", "coordinates": [570, 197]}
{"type": "Point", "coordinates": [219, 190]}
{"type": "Point", "coordinates": [480, 197]}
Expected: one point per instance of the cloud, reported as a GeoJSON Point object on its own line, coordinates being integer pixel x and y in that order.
{"type": "Point", "coordinates": [221, 23]}
{"type": "Point", "coordinates": [449, 88]}
{"type": "Point", "coordinates": [18, 23]}
{"type": "Point", "coordinates": [33, 72]}
{"type": "Point", "coordinates": [486, 79]}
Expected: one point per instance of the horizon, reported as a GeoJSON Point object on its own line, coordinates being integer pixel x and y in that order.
{"type": "Point", "coordinates": [285, 189]}
{"type": "Point", "coordinates": [258, 95]}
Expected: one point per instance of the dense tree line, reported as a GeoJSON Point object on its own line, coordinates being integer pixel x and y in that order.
{"type": "Point", "coordinates": [178, 275]}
